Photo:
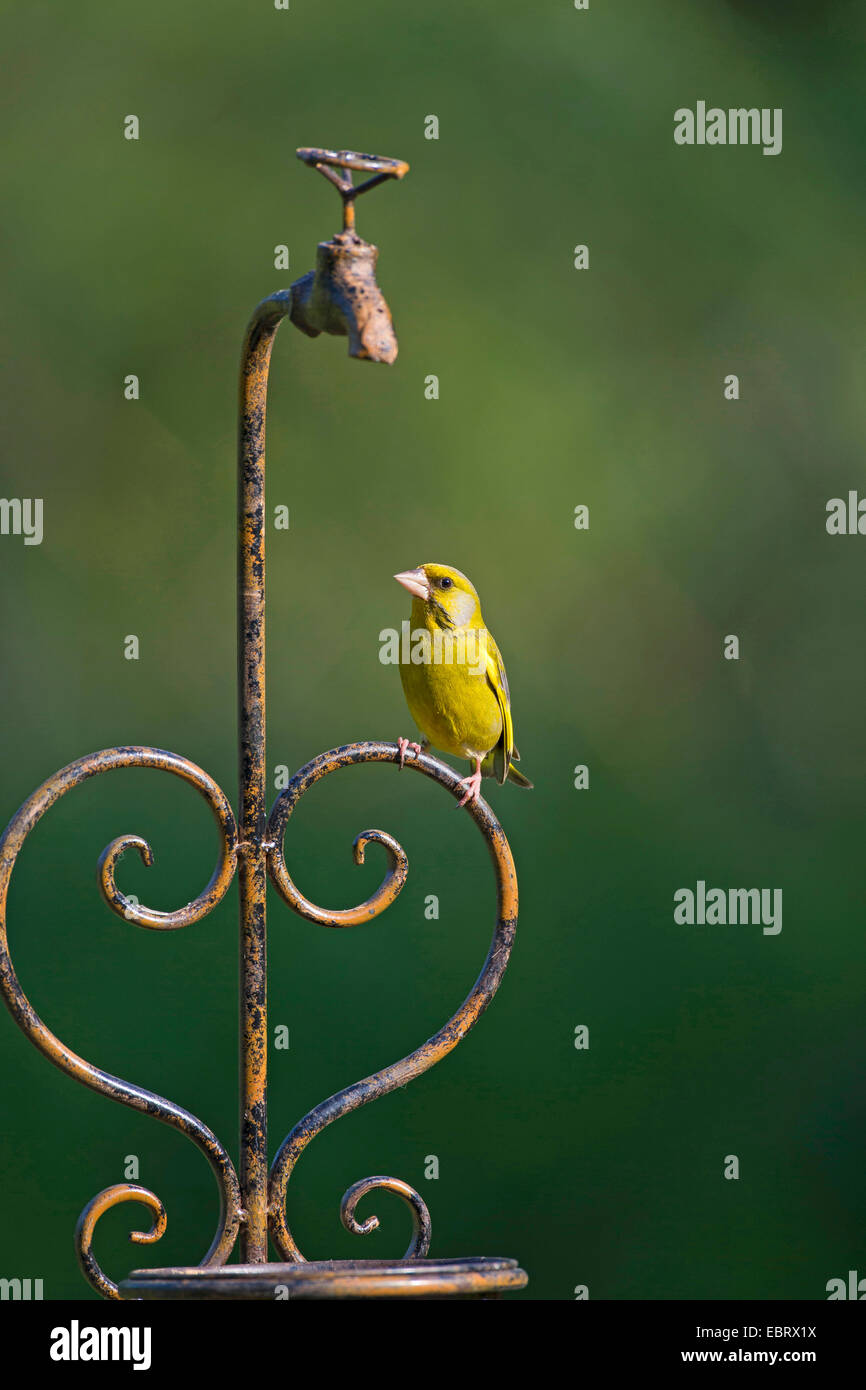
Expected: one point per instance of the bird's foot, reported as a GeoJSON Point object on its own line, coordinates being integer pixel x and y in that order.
{"type": "Point", "coordinates": [403, 744]}
{"type": "Point", "coordinates": [472, 783]}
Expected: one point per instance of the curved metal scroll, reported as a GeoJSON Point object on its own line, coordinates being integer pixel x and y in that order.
{"type": "Point", "coordinates": [68, 1061]}
{"type": "Point", "coordinates": [437, 1047]}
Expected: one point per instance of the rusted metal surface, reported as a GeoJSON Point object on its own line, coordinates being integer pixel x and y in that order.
{"type": "Point", "coordinates": [475, 1277]}
{"type": "Point", "coordinates": [341, 296]}
{"type": "Point", "coordinates": [421, 1225]}
{"type": "Point", "coordinates": [14, 837]}
{"type": "Point", "coordinates": [437, 1047]}
{"type": "Point", "coordinates": [102, 1202]}
{"type": "Point", "coordinates": [252, 872]}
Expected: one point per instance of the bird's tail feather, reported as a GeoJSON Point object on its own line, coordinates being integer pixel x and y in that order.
{"type": "Point", "coordinates": [518, 778]}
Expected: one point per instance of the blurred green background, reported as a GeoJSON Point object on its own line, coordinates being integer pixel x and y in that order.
{"type": "Point", "coordinates": [557, 387]}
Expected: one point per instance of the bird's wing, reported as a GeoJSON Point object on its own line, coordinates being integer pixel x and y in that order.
{"type": "Point", "coordinates": [499, 682]}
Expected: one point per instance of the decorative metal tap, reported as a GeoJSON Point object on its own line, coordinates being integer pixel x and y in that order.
{"type": "Point", "coordinates": [340, 296]}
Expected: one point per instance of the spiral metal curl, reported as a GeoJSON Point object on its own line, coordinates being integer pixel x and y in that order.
{"type": "Point", "coordinates": [420, 1242]}
{"type": "Point", "coordinates": [102, 1202]}
{"type": "Point", "coordinates": [402, 1072]}
{"type": "Point", "coordinates": [398, 863]}
{"type": "Point", "coordinates": [26, 818]}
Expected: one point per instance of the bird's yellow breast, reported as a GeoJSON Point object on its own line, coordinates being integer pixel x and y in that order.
{"type": "Point", "coordinates": [452, 701]}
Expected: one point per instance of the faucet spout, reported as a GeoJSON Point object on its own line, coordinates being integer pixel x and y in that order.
{"type": "Point", "coordinates": [341, 296]}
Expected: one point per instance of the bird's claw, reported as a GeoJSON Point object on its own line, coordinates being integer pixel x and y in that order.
{"type": "Point", "coordinates": [403, 744]}
{"type": "Point", "coordinates": [472, 783]}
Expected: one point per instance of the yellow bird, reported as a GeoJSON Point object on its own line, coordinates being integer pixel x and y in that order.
{"type": "Point", "coordinates": [454, 678]}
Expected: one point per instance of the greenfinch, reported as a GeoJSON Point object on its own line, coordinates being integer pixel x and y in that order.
{"type": "Point", "coordinates": [454, 678]}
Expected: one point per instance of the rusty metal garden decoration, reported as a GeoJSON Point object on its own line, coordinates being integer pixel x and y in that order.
{"type": "Point", "coordinates": [340, 296]}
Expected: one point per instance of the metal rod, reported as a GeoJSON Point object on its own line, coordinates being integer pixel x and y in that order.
{"type": "Point", "coordinates": [252, 853]}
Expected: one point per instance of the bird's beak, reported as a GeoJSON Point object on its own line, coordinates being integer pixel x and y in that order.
{"type": "Point", "coordinates": [416, 582]}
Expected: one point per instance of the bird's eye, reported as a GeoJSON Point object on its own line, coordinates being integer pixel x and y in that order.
{"type": "Point", "coordinates": [446, 583]}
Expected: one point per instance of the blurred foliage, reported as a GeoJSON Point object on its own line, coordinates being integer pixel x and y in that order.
{"type": "Point", "coordinates": [558, 387]}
